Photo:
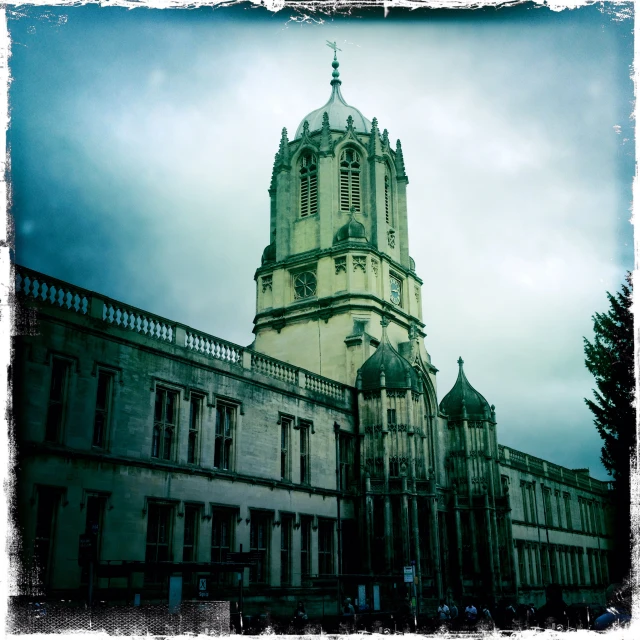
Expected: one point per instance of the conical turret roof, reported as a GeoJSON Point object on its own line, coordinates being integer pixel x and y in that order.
{"type": "Point", "coordinates": [337, 109]}
{"type": "Point", "coordinates": [464, 398]}
{"type": "Point", "coordinates": [388, 363]}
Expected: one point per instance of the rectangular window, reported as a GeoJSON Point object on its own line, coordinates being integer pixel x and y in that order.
{"type": "Point", "coordinates": [567, 510]}
{"type": "Point", "coordinates": [57, 399]}
{"type": "Point", "coordinates": [346, 461]}
{"type": "Point", "coordinates": [325, 547]}
{"type": "Point", "coordinates": [195, 413]}
{"type": "Point", "coordinates": [580, 554]}
{"type": "Point", "coordinates": [521, 565]}
{"type": "Point", "coordinates": [48, 502]}
{"type": "Point", "coordinates": [544, 561]}
{"type": "Point", "coordinates": [548, 515]}
{"type": "Point", "coordinates": [95, 508]}
{"type": "Point", "coordinates": [285, 439]}
{"type": "Point", "coordinates": [305, 547]}
{"type": "Point", "coordinates": [391, 416]}
{"type": "Point", "coordinates": [159, 530]}
{"type": "Point", "coordinates": [164, 424]}
{"type": "Point", "coordinates": [191, 513]}
{"type": "Point", "coordinates": [103, 405]}
{"type": "Point", "coordinates": [223, 524]}
{"type": "Point", "coordinates": [286, 527]}
{"type": "Point", "coordinates": [532, 503]}
{"type": "Point", "coordinates": [525, 504]}
{"type": "Point", "coordinates": [259, 542]}
{"type": "Point", "coordinates": [304, 453]}
{"type": "Point", "coordinates": [558, 510]}
{"type": "Point", "coordinates": [553, 562]}
{"type": "Point", "coordinates": [225, 428]}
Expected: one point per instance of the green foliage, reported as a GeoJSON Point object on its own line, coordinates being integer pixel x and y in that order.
{"type": "Point", "coordinates": [610, 360]}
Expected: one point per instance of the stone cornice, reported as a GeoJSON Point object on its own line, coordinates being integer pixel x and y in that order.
{"type": "Point", "coordinates": [307, 256]}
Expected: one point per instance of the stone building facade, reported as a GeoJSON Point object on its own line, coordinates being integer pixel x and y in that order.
{"type": "Point", "coordinates": [321, 448]}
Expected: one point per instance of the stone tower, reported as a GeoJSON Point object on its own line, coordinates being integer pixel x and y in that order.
{"type": "Point", "coordinates": [338, 257]}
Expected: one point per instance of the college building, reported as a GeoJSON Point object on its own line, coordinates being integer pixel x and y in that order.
{"type": "Point", "coordinates": [321, 449]}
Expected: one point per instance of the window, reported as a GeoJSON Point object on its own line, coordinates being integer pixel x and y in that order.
{"type": "Point", "coordinates": [532, 502]}
{"type": "Point", "coordinates": [285, 438]}
{"type": "Point", "coordinates": [387, 197]}
{"type": "Point", "coordinates": [544, 561]}
{"type": "Point", "coordinates": [580, 555]}
{"type": "Point", "coordinates": [195, 411]}
{"type": "Point", "coordinates": [225, 427]}
{"type": "Point", "coordinates": [548, 515]}
{"type": "Point", "coordinates": [48, 501]}
{"type": "Point", "coordinates": [304, 285]}
{"type": "Point", "coordinates": [305, 546]}
{"type": "Point", "coordinates": [391, 416]}
{"type": "Point", "coordinates": [531, 555]}
{"type": "Point", "coordinates": [521, 564]}
{"type": "Point", "coordinates": [286, 526]}
{"type": "Point", "coordinates": [350, 180]}
{"type": "Point", "coordinates": [189, 547]}
{"type": "Point", "coordinates": [57, 399]}
{"type": "Point", "coordinates": [559, 511]}
{"type": "Point", "coordinates": [567, 510]}
{"type": "Point", "coordinates": [554, 564]}
{"type": "Point", "coordinates": [259, 542]}
{"type": "Point", "coordinates": [164, 424]}
{"type": "Point", "coordinates": [95, 507]}
{"type": "Point", "coordinates": [222, 538]}
{"type": "Point", "coordinates": [103, 404]}
{"type": "Point", "coordinates": [346, 461]}
{"type": "Point", "coordinates": [159, 532]}
{"type": "Point", "coordinates": [325, 547]}
{"type": "Point", "coordinates": [308, 185]}
{"type": "Point", "coordinates": [304, 453]}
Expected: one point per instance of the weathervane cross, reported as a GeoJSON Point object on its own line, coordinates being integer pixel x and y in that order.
{"type": "Point", "coordinates": [334, 46]}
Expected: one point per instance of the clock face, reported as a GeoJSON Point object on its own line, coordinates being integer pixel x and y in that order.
{"type": "Point", "coordinates": [396, 291]}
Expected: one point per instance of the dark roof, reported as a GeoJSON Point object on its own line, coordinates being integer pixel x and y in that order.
{"type": "Point", "coordinates": [399, 374]}
{"type": "Point", "coordinates": [463, 394]}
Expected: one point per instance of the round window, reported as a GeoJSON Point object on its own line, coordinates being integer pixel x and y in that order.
{"type": "Point", "coordinates": [304, 285]}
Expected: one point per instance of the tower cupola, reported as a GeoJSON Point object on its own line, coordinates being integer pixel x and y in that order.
{"type": "Point", "coordinates": [464, 399]}
{"type": "Point", "coordinates": [336, 109]}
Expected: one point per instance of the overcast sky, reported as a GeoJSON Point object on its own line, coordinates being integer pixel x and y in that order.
{"type": "Point", "coordinates": [143, 142]}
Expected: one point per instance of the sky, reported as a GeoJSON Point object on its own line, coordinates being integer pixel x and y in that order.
{"type": "Point", "coordinates": [142, 144]}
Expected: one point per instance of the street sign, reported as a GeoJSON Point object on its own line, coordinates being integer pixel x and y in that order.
{"type": "Point", "coordinates": [203, 592]}
{"type": "Point", "coordinates": [408, 574]}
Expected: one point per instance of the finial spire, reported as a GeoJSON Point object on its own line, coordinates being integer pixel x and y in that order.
{"type": "Point", "coordinates": [335, 64]}
{"type": "Point", "coordinates": [460, 362]}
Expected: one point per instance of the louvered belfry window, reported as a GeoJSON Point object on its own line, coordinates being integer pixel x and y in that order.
{"type": "Point", "coordinates": [349, 180]}
{"type": "Point", "coordinates": [387, 198]}
{"type": "Point", "coordinates": [308, 185]}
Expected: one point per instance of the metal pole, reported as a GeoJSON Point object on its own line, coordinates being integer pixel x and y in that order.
{"type": "Point", "coordinates": [241, 603]}
{"type": "Point", "coordinates": [90, 584]}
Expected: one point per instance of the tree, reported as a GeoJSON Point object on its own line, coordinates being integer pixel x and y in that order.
{"type": "Point", "coordinates": [609, 358]}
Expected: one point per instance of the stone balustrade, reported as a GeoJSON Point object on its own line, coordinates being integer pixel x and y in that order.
{"type": "Point", "coordinates": [551, 471]}
{"type": "Point", "coordinates": [45, 290]}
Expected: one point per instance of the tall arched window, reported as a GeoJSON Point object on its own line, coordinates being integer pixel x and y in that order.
{"type": "Point", "coordinates": [349, 180]}
{"type": "Point", "coordinates": [308, 185]}
{"type": "Point", "coordinates": [387, 198]}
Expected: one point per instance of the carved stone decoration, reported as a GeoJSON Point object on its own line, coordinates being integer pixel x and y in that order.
{"type": "Point", "coordinates": [341, 264]}
{"type": "Point", "coordinates": [267, 283]}
{"type": "Point", "coordinates": [391, 238]}
{"type": "Point", "coordinates": [374, 266]}
{"type": "Point", "coordinates": [417, 292]}
{"type": "Point", "coordinates": [360, 262]}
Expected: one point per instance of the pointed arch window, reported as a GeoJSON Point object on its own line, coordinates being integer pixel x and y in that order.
{"type": "Point", "coordinates": [350, 180]}
{"type": "Point", "coordinates": [308, 185]}
{"type": "Point", "coordinates": [387, 197]}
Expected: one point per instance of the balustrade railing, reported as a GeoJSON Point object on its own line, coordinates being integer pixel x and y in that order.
{"type": "Point", "coordinates": [274, 368]}
{"type": "Point", "coordinates": [55, 292]}
{"type": "Point", "coordinates": [213, 347]}
{"type": "Point", "coordinates": [42, 288]}
{"type": "Point", "coordinates": [141, 322]}
{"type": "Point", "coordinates": [323, 385]}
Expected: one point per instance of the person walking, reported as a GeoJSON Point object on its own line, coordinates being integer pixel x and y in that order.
{"type": "Point", "coordinates": [300, 616]}
{"type": "Point", "coordinates": [471, 613]}
{"type": "Point", "coordinates": [444, 613]}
